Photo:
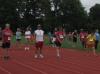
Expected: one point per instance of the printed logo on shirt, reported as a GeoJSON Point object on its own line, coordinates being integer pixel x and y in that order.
{"type": "Point", "coordinates": [82, 37]}
{"type": "Point", "coordinates": [61, 36]}
{"type": "Point", "coordinates": [9, 38]}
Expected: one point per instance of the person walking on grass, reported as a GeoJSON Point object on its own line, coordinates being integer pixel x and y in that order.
{"type": "Point", "coordinates": [75, 35]}
{"type": "Point", "coordinates": [69, 35]}
{"type": "Point", "coordinates": [90, 42]}
{"type": "Point", "coordinates": [28, 38]}
{"type": "Point", "coordinates": [59, 34]}
{"type": "Point", "coordinates": [6, 34]}
{"type": "Point", "coordinates": [18, 37]}
{"type": "Point", "coordinates": [39, 39]}
{"type": "Point", "coordinates": [97, 39]}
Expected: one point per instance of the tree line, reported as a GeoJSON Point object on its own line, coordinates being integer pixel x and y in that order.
{"type": "Point", "coordinates": [50, 13]}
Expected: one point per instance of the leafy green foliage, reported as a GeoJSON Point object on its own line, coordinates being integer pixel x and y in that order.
{"type": "Point", "coordinates": [94, 16]}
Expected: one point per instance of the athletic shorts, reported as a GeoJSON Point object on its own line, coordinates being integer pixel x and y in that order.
{"type": "Point", "coordinates": [18, 40]}
{"type": "Point", "coordinates": [57, 43]}
{"type": "Point", "coordinates": [6, 45]}
{"type": "Point", "coordinates": [90, 45]}
{"type": "Point", "coordinates": [28, 39]}
{"type": "Point", "coordinates": [39, 44]}
{"type": "Point", "coordinates": [74, 39]}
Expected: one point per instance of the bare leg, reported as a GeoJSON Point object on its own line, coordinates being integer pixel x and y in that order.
{"type": "Point", "coordinates": [27, 45]}
{"type": "Point", "coordinates": [6, 55]}
{"type": "Point", "coordinates": [58, 51]}
{"type": "Point", "coordinates": [17, 44]}
{"type": "Point", "coordinates": [36, 53]}
{"type": "Point", "coordinates": [41, 53]}
{"type": "Point", "coordinates": [94, 52]}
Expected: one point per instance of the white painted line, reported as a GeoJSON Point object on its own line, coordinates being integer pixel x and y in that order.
{"type": "Point", "coordinates": [29, 67]}
{"type": "Point", "coordinates": [5, 70]}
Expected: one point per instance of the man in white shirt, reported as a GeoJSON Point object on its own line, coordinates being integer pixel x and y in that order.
{"type": "Point", "coordinates": [39, 39]}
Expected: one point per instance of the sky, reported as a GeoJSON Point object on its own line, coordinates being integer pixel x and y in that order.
{"type": "Point", "coordinates": [89, 3]}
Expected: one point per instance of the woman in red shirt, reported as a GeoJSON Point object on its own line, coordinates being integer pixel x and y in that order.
{"type": "Point", "coordinates": [59, 39]}
{"type": "Point", "coordinates": [83, 35]}
{"type": "Point", "coordinates": [7, 33]}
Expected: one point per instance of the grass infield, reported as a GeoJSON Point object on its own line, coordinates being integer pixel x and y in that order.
{"type": "Point", "coordinates": [66, 43]}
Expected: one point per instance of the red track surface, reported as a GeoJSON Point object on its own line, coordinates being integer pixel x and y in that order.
{"type": "Point", "coordinates": [71, 62]}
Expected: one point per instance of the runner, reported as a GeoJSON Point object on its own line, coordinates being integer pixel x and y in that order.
{"type": "Point", "coordinates": [54, 37]}
{"type": "Point", "coordinates": [50, 38]}
{"type": "Point", "coordinates": [7, 34]}
{"type": "Point", "coordinates": [0, 37]}
{"type": "Point", "coordinates": [97, 38]}
{"type": "Point", "coordinates": [69, 35]}
{"type": "Point", "coordinates": [59, 39]}
{"type": "Point", "coordinates": [39, 39]}
{"type": "Point", "coordinates": [28, 38]}
{"type": "Point", "coordinates": [18, 37]}
{"type": "Point", "coordinates": [82, 38]}
{"type": "Point", "coordinates": [53, 41]}
{"type": "Point", "coordinates": [90, 43]}
{"type": "Point", "coordinates": [75, 34]}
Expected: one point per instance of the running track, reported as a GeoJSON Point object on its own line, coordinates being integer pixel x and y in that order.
{"type": "Point", "coordinates": [71, 62]}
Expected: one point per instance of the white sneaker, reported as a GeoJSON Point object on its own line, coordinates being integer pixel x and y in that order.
{"type": "Point", "coordinates": [58, 55]}
{"type": "Point", "coordinates": [25, 48]}
{"type": "Point", "coordinates": [41, 56]}
{"type": "Point", "coordinates": [35, 56]}
{"type": "Point", "coordinates": [28, 48]}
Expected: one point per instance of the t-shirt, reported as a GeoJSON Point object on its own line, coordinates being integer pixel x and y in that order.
{"type": "Point", "coordinates": [49, 35]}
{"type": "Point", "coordinates": [97, 36]}
{"type": "Point", "coordinates": [7, 33]}
{"type": "Point", "coordinates": [74, 34]}
{"type": "Point", "coordinates": [18, 35]}
{"type": "Point", "coordinates": [39, 35]}
{"type": "Point", "coordinates": [82, 36]}
{"type": "Point", "coordinates": [28, 34]}
{"type": "Point", "coordinates": [91, 39]}
{"type": "Point", "coordinates": [59, 35]}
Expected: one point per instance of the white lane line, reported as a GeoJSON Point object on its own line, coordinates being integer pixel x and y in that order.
{"type": "Point", "coordinates": [6, 71]}
{"type": "Point", "coordinates": [29, 67]}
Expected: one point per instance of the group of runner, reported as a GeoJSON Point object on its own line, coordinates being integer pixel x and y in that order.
{"type": "Point", "coordinates": [6, 35]}
{"type": "Point", "coordinates": [88, 40]}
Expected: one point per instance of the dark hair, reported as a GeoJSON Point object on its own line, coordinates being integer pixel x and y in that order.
{"type": "Point", "coordinates": [90, 32]}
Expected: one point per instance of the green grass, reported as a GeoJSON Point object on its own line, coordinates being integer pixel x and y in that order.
{"type": "Point", "coordinates": [14, 39]}
{"type": "Point", "coordinates": [66, 44]}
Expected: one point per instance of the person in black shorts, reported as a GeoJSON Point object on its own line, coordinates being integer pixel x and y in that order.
{"type": "Point", "coordinates": [75, 34]}
{"type": "Point", "coordinates": [59, 34]}
{"type": "Point", "coordinates": [6, 37]}
{"type": "Point", "coordinates": [18, 37]}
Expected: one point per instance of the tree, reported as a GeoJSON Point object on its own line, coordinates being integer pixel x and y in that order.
{"type": "Point", "coordinates": [73, 14]}
{"type": "Point", "coordinates": [49, 13]}
{"type": "Point", "coordinates": [33, 12]}
{"type": "Point", "coordinates": [94, 16]}
{"type": "Point", "coordinates": [7, 11]}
